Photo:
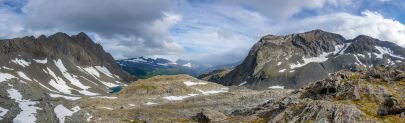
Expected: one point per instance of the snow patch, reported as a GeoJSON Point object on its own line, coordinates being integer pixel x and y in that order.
{"type": "Point", "coordinates": [58, 83]}
{"type": "Point", "coordinates": [69, 77]}
{"type": "Point", "coordinates": [105, 97]}
{"type": "Point", "coordinates": [88, 93]}
{"type": "Point", "coordinates": [190, 83]}
{"type": "Point", "coordinates": [213, 91]}
{"type": "Point", "coordinates": [3, 112]}
{"type": "Point", "coordinates": [5, 77]}
{"type": "Point", "coordinates": [282, 70]}
{"type": "Point", "coordinates": [243, 83]}
{"type": "Point", "coordinates": [279, 63]}
{"type": "Point", "coordinates": [179, 97]}
{"type": "Point", "coordinates": [28, 108]}
{"type": "Point", "coordinates": [92, 71]}
{"type": "Point", "coordinates": [151, 103]}
{"type": "Point", "coordinates": [276, 87]}
{"type": "Point", "coordinates": [104, 70]}
{"type": "Point", "coordinates": [62, 96]}
{"type": "Point", "coordinates": [385, 50]}
{"type": "Point", "coordinates": [44, 86]}
{"type": "Point", "coordinates": [358, 61]}
{"type": "Point", "coordinates": [321, 58]}
{"type": "Point", "coordinates": [21, 62]}
{"type": "Point", "coordinates": [22, 75]}
{"type": "Point", "coordinates": [7, 68]}
{"type": "Point", "coordinates": [108, 108]}
{"type": "Point", "coordinates": [62, 112]}
{"type": "Point", "coordinates": [89, 118]}
{"type": "Point", "coordinates": [340, 49]}
{"type": "Point", "coordinates": [44, 61]}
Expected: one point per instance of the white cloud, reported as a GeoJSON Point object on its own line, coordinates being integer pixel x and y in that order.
{"type": "Point", "coordinates": [219, 34]}
{"type": "Point", "coordinates": [368, 23]}
{"type": "Point", "coordinates": [283, 9]}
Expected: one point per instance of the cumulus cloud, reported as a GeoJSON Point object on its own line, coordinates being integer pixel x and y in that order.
{"type": "Point", "coordinates": [282, 9]}
{"type": "Point", "coordinates": [222, 38]}
{"type": "Point", "coordinates": [368, 23]}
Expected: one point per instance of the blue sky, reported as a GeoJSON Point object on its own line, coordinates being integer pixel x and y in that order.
{"type": "Point", "coordinates": [209, 31]}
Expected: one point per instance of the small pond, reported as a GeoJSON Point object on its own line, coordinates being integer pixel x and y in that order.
{"type": "Point", "coordinates": [115, 89]}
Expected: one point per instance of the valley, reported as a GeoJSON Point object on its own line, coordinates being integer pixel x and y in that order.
{"type": "Point", "coordinates": [314, 76]}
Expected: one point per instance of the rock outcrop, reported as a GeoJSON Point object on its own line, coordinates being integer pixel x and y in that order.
{"type": "Point", "coordinates": [375, 95]}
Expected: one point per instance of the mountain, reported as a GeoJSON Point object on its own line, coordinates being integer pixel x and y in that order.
{"type": "Point", "coordinates": [295, 60]}
{"type": "Point", "coordinates": [39, 77]}
{"type": "Point", "coordinates": [148, 67]}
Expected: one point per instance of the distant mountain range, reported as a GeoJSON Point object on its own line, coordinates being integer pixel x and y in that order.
{"type": "Point", "coordinates": [295, 60]}
{"type": "Point", "coordinates": [148, 67]}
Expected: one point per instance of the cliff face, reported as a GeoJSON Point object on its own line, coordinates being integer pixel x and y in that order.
{"type": "Point", "coordinates": [297, 59]}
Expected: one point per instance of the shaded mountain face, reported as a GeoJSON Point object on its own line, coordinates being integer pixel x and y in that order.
{"type": "Point", "coordinates": [148, 67]}
{"type": "Point", "coordinates": [37, 74]}
{"type": "Point", "coordinates": [297, 59]}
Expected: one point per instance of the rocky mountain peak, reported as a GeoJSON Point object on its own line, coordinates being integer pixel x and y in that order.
{"type": "Point", "coordinates": [79, 49]}
{"type": "Point", "coordinates": [297, 59]}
